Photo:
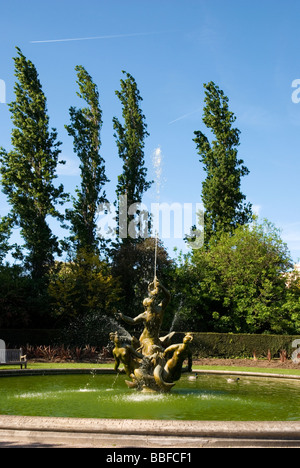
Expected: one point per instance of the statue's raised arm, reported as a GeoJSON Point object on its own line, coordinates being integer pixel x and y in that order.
{"type": "Point", "coordinates": [130, 320]}
{"type": "Point", "coordinates": [167, 295]}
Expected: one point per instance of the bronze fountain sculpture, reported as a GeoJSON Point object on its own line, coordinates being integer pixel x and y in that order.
{"type": "Point", "coordinates": [151, 362]}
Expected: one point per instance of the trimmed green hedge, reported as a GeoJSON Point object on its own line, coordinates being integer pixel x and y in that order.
{"type": "Point", "coordinates": [226, 345]}
{"type": "Point", "coordinates": [222, 345]}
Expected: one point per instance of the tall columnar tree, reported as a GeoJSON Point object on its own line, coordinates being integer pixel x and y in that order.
{"type": "Point", "coordinates": [132, 184]}
{"type": "Point", "coordinates": [28, 171]}
{"type": "Point", "coordinates": [224, 203]}
{"type": "Point", "coordinates": [85, 127]}
{"type": "Point", "coordinates": [130, 137]}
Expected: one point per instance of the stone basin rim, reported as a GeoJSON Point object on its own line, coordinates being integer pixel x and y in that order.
{"type": "Point", "coordinates": [110, 371]}
{"type": "Point", "coordinates": [275, 430]}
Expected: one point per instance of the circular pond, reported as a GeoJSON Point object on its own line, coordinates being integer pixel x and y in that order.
{"type": "Point", "coordinates": [210, 397]}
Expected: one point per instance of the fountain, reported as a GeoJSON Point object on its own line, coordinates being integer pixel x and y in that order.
{"type": "Point", "coordinates": [151, 362]}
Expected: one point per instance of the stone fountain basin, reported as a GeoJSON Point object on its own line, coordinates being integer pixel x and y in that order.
{"type": "Point", "coordinates": [100, 393]}
{"type": "Point", "coordinates": [56, 431]}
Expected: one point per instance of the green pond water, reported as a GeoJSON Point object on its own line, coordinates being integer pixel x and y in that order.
{"type": "Point", "coordinates": [210, 397]}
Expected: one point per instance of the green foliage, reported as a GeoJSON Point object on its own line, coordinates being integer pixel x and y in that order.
{"type": "Point", "coordinates": [133, 265]}
{"type": "Point", "coordinates": [291, 306]}
{"type": "Point", "coordinates": [127, 255]}
{"type": "Point", "coordinates": [130, 138]}
{"type": "Point", "coordinates": [238, 284]}
{"type": "Point", "coordinates": [5, 231]}
{"type": "Point", "coordinates": [82, 287]}
{"type": "Point", "coordinates": [24, 301]}
{"type": "Point", "coordinates": [28, 171]}
{"type": "Point", "coordinates": [223, 200]}
{"type": "Point", "coordinates": [85, 127]}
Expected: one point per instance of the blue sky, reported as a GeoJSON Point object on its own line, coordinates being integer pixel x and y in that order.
{"type": "Point", "coordinates": [171, 47]}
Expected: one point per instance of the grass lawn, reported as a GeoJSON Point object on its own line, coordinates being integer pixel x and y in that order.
{"type": "Point", "coordinates": [68, 365]}
{"type": "Point", "coordinates": [264, 370]}
{"type": "Point", "coordinates": [84, 365]}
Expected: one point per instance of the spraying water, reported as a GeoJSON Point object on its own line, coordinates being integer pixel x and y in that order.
{"type": "Point", "coordinates": [157, 163]}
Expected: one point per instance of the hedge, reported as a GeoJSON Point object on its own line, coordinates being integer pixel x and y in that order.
{"type": "Point", "coordinates": [220, 345]}
{"type": "Point", "coordinates": [226, 345]}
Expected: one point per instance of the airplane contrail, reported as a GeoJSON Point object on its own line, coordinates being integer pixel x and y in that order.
{"type": "Point", "coordinates": [112, 36]}
{"type": "Point", "coordinates": [185, 116]}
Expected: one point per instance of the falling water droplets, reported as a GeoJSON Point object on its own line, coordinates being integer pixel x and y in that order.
{"type": "Point", "coordinates": [157, 164]}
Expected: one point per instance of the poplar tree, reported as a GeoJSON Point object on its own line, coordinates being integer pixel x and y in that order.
{"type": "Point", "coordinates": [130, 137]}
{"type": "Point", "coordinates": [85, 128]}
{"type": "Point", "coordinates": [224, 203]}
{"type": "Point", "coordinates": [132, 184]}
{"type": "Point", "coordinates": [28, 171]}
